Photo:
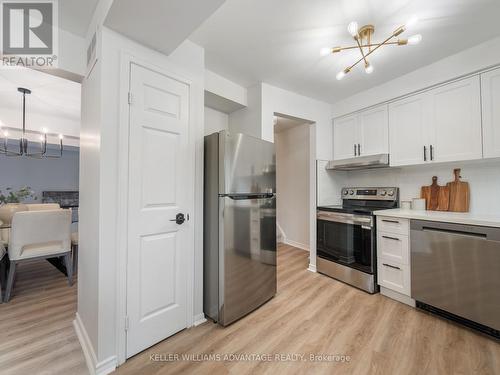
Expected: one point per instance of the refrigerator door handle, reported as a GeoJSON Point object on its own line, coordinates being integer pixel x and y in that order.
{"type": "Point", "coordinates": [238, 197]}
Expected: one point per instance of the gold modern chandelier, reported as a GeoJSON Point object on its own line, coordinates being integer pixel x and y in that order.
{"type": "Point", "coordinates": [363, 37]}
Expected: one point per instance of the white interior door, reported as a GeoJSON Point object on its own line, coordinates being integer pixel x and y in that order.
{"type": "Point", "coordinates": [159, 189]}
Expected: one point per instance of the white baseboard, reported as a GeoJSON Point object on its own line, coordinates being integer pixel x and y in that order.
{"type": "Point", "coordinates": [397, 296]}
{"type": "Point", "coordinates": [296, 244]}
{"type": "Point", "coordinates": [199, 319]}
{"type": "Point", "coordinates": [95, 368]}
{"type": "Point", "coordinates": [312, 268]}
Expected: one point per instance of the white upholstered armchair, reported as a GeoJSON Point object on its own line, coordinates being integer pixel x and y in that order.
{"type": "Point", "coordinates": [39, 235]}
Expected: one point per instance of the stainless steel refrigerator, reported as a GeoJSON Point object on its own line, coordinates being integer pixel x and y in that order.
{"type": "Point", "coordinates": [239, 225]}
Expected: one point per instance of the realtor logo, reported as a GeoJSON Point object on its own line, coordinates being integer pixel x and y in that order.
{"type": "Point", "coordinates": [29, 33]}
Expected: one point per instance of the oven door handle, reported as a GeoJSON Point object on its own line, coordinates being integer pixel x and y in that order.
{"type": "Point", "coordinates": [365, 221]}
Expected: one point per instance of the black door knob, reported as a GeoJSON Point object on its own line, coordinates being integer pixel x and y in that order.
{"type": "Point", "coordinates": [179, 218]}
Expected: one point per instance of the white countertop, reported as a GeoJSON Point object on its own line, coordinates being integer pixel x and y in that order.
{"type": "Point", "coordinates": [443, 216]}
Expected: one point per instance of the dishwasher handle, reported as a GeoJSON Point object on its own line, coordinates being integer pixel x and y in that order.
{"type": "Point", "coordinates": [476, 231]}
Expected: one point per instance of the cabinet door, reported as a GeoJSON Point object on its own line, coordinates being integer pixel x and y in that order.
{"type": "Point", "coordinates": [374, 131]}
{"type": "Point", "coordinates": [407, 130]}
{"type": "Point", "coordinates": [344, 137]}
{"type": "Point", "coordinates": [456, 121]}
{"type": "Point", "coordinates": [490, 93]}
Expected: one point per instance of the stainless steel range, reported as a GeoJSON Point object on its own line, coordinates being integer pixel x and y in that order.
{"type": "Point", "coordinates": [346, 235]}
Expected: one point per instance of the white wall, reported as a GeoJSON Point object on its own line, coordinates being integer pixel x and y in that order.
{"type": "Point", "coordinates": [89, 210]}
{"type": "Point", "coordinates": [292, 184]}
{"type": "Point", "coordinates": [40, 174]}
{"type": "Point", "coordinates": [329, 185]}
{"type": "Point", "coordinates": [276, 100]}
{"type": "Point", "coordinates": [249, 120]}
{"type": "Point", "coordinates": [97, 302]}
{"type": "Point", "coordinates": [225, 88]}
{"type": "Point", "coordinates": [215, 121]}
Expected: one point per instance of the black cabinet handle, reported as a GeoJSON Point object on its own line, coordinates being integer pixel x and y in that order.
{"type": "Point", "coordinates": [425, 153]}
{"type": "Point", "coordinates": [355, 153]}
{"type": "Point", "coordinates": [390, 221]}
{"type": "Point", "coordinates": [359, 149]}
{"type": "Point", "coordinates": [391, 238]}
{"type": "Point", "coordinates": [432, 152]}
{"type": "Point", "coordinates": [388, 265]}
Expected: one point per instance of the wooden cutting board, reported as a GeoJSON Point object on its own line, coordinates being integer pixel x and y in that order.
{"type": "Point", "coordinates": [437, 198]}
{"type": "Point", "coordinates": [459, 193]}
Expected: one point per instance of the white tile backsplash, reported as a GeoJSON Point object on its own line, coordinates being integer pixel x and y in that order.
{"type": "Point", "coordinates": [483, 177]}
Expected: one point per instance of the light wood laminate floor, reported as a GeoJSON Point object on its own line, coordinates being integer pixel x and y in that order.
{"type": "Point", "coordinates": [312, 313]}
{"type": "Point", "coordinates": [36, 326]}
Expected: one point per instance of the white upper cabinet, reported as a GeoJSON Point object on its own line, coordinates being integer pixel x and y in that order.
{"type": "Point", "coordinates": [345, 137]}
{"type": "Point", "coordinates": [490, 93]}
{"type": "Point", "coordinates": [408, 131]}
{"type": "Point", "coordinates": [361, 134]}
{"type": "Point", "coordinates": [439, 125]}
{"type": "Point", "coordinates": [456, 121]}
{"type": "Point", "coordinates": [373, 134]}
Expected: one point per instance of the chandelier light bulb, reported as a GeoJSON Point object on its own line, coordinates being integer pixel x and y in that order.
{"type": "Point", "coordinates": [412, 21]}
{"type": "Point", "coordinates": [61, 137]}
{"type": "Point", "coordinates": [342, 73]}
{"type": "Point", "coordinates": [415, 39]}
{"type": "Point", "coordinates": [325, 51]}
{"type": "Point", "coordinates": [44, 130]}
{"type": "Point", "coordinates": [353, 28]}
{"type": "Point", "coordinates": [369, 68]}
{"type": "Point", "coordinates": [5, 133]}
{"type": "Point", "coordinates": [42, 138]}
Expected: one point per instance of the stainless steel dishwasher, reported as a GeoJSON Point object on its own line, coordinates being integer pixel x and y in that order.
{"type": "Point", "coordinates": [455, 272]}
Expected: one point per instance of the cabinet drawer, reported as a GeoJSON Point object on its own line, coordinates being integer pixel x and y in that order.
{"type": "Point", "coordinates": [394, 276]}
{"type": "Point", "coordinates": [393, 225]}
{"type": "Point", "coordinates": [393, 246]}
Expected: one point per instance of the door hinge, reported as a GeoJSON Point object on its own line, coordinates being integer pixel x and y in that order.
{"type": "Point", "coordinates": [129, 98]}
{"type": "Point", "coordinates": [127, 324]}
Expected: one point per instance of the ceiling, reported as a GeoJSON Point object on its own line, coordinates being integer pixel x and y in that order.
{"type": "Point", "coordinates": [54, 103]}
{"type": "Point", "coordinates": [75, 15]}
{"type": "Point", "coordinates": [282, 124]}
{"type": "Point", "coordinates": [159, 24]}
{"type": "Point", "coordinates": [278, 41]}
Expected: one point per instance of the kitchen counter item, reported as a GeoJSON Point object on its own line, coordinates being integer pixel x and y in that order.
{"type": "Point", "coordinates": [446, 217]}
{"type": "Point", "coordinates": [437, 197]}
{"type": "Point", "coordinates": [406, 205]}
{"type": "Point", "coordinates": [459, 194]}
{"type": "Point", "coordinates": [418, 204]}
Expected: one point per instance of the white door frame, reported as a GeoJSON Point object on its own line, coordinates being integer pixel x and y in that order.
{"type": "Point", "coordinates": [126, 59]}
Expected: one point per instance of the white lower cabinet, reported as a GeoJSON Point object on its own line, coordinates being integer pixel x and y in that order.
{"type": "Point", "coordinates": [394, 276]}
{"type": "Point", "coordinates": [393, 258]}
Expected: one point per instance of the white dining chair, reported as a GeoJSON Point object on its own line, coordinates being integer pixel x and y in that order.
{"type": "Point", "coordinates": [43, 206]}
{"type": "Point", "coordinates": [39, 235]}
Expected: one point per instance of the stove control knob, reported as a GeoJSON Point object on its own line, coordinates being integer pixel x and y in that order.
{"type": "Point", "coordinates": [383, 193]}
{"type": "Point", "coordinates": [351, 192]}
{"type": "Point", "coordinates": [346, 192]}
{"type": "Point", "coordinates": [390, 193]}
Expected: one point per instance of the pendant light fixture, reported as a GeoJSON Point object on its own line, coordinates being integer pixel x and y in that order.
{"type": "Point", "coordinates": [363, 37]}
{"type": "Point", "coordinates": [24, 142]}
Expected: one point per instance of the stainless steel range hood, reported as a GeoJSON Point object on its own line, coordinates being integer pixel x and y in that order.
{"type": "Point", "coordinates": [360, 162]}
